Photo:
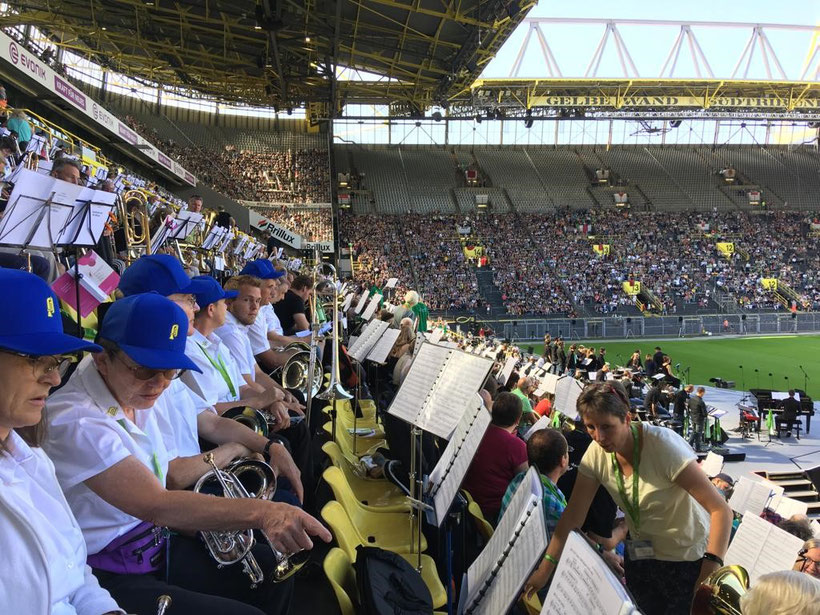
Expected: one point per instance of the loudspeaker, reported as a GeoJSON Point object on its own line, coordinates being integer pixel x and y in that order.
{"type": "Point", "coordinates": [743, 317]}
{"type": "Point", "coordinates": [628, 320]}
{"type": "Point", "coordinates": [680, 318]}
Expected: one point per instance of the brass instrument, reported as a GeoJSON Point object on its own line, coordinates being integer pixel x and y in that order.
{"type": "Point", "coordinates": [252, 418]}
{"type": "Point", "coordinates": [334, 390]}
{"type": "Point", "coordinates": [163, 603]}
{"type": "Point", "coordinates": [135, 225]}
{"type": "Point", "coordinates": [296, 370]}
{"type": "Point", "coordinates": [230, 547]}
{"type": "Point", "coordinates": [721, 592]}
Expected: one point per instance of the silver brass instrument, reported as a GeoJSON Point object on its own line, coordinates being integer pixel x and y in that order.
{"type": "Point", "coordinates": [721, 592]}
{"type": "Point", "coordinates": [252, 418]}
{"type": "Point", "coordinates": [245, 478]}
{"type": "Point", "coordinates": [296, 369]}
{"type": "Point", "coordinates": [334, 390]}
{"type": "Point", "coordinates": [162, 604]}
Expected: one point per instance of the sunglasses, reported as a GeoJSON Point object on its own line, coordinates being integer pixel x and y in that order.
{"type": "Point", "coordinates": [147, 373]}
{"type": "Point", "coordinates": [46, 364]}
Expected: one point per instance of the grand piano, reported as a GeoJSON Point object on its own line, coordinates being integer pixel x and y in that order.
{"type": "Point", "coordinates": [765, 402]}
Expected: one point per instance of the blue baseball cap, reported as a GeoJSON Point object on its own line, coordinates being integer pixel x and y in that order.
{"type": "Point", "coordinates": [30, 320]}
{"type": "Point", "coordinates": [158, 273]}
{"type": "Point", "coordinates": [214, 291]}
{"type": "Point", "coordinates": [150, 329]}
{"type": "Point", "coordinates": [262, 268]}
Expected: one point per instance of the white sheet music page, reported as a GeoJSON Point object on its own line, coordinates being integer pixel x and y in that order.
{"type": "Point", "coordinates": [371, 308]}
{"type": "Point", "coordinates": [363, 334]}
{"type": "Point", "coordinates": [815, 527]}
{"type": "Point", "coordinates": [369, 337]}
{"type": "Point", "coordinates": [525, 554]}
{"type": "Point", "coordinates": [25, 204]}
{"type": "Point", "coordinates": [362, 301]}
{"type": "Point", "coordinates": [579, 570]}
{"type": "Point", "coordinates": [347, 301]}
{"type": "Point", "coordinates": [507, 370]}
{"type": "Point", "coordinates": [540, 424]}
{"type": "Point", "coordinates": [526, 496]}
{"type": "Point", "coordinates": [436, 335]}
{"type": "Point", "coordinates": [382, 348]}
{"type": "Point", "coordinates": [446, 478]}
{"type": "Point", "coordinates": [752, 495]}
{"type": "Point", "coordinates": [787, 507]}
{"type": "Point", "coordinates": [713, 464]}
{"type": "Point", "coordinates": [762, 547]}
{"type": "Point", "coordinates": [417, 385]}
{"type": "Point", "coordinates": [567, 392]}
{"type": "Point", "coordinates": [548, 383]}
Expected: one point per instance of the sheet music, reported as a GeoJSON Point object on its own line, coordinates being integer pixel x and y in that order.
{"type": "Point", "coordinates": [416, 387]}
{"type": "Point", "coordinates": [540, 424]}
{"type": "Point", "coordinates": [436, 335]}
{"type": "Point", "coordinates": [762, 547]}
{"type": "Point", "coordinates": [462, 377]}
{"type": "Point", "coordinates": [567, 391]}
{"type": "Point", "coordinates": [507, 370]}
{"type": "Point", "coordinates": [362, 301]}
{"type": "Point", "coordinates": [446, 478]}
{"type": "Point", "coordinates": [815, 527]}
{"type": "Point", "coordinates": [787, 507]}
{"type": "Point", "coordinates": [754, 496]}
{"type": "Point", "coordinates": [391, 283]}
{"type": "Point", "coordinates": [527, 496]}
{"type": "Point", "coordinates": [371, 307]}
{"type": "Point", "coordinates": [579, 569]}
{"type": "Point", "coordinates": [365, 342]}
{"type": "Point", "coordinates": [347, 301]}
{"type": "Point", "coordinates": [781, 395]}
{"type": "Point", "coordinates": [525, 554]}
{"type": "Point", "coordinates": [381, 350]}
{"type": "Point", "coordinates": [713, 464]}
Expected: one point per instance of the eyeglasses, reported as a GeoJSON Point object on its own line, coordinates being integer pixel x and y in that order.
{"type": "Point", "coordinates": [147, 373]}
{"type": "Point", "coordinates": [809, 562]}
{"type": "Point", "coordinates": [46, 364]}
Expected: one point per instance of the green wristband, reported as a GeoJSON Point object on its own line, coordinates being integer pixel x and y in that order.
{"type": "Point", "coordinates": [551, 559]}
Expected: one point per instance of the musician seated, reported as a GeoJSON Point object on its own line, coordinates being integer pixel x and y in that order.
{"type": "Point", "coordinates": [292, 308]}
{"type": "Point", "coordinates": [499, 458]}
{"type": "Point", "coordinates": [725, 484]}
{"type": "Point", "coordinates": [67, 169]}
{"type": "Point", "coordinates": [808, 558]}
{"type": "Point", "coordinates": [652, 401]}
{"type": "Point", "coordinates": [524, 388]}
{"type": "Point", "coordinates": [785, 591]}
{"type": "Point", "coordinates": [790, 415]}
{"type": "Point", "coordinates": [548, 452]}
{"type": "Point", "coordinates": [43, 548]}
{"type": "Point", "coordinates": [112, 462]}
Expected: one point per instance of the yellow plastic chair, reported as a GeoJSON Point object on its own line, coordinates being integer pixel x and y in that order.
{"type": "Point", "coordinates": [345, 414]}
{"type": "Point", "coordinates": [348, 538]}
{"type": "Point", "coordinates": [378, 493]}
{"type": "Point", "coordinates": [339, 572]}
{"type": "Point", "coordinates": [364, 446]}
{"type": "Point", "coordinates": [388, 530]}
{"type": "Point", "coordinates": [343, 493]}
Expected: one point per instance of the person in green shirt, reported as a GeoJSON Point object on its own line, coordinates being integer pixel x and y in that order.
{"type": "Point", "coordinates": [422, 313]}
{"type": "Point", "coordinates": [523, 390]}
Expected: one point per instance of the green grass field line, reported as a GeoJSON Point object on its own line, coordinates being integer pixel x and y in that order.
{"type": "Point", "coordinates": [721, 358]}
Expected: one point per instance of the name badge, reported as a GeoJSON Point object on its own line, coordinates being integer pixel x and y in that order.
{"type": "Point", "coordinates": [640, 549]}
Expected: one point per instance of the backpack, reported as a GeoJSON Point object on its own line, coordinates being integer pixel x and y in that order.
{"type": "Point", "coordinates": [389, 585]}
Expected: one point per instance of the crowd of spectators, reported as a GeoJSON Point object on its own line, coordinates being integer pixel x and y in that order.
{"type": "Point", "coordinates": [311, 224]}
{"type": "Point", "coordinates": [546, 263]}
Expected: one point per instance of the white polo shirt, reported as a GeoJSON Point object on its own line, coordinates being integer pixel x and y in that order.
{"type": "Point", "coordinates": [41, 542]}
{"type": "Point", "coordinates": [181, 407]}
{"type": "Point", "coordinates": [87, 434]}
{"type": "Point", "coordinates": [234, 336]}
{"type": "Point", "coordinates": [271, 319]}
{"type": "Point", "coordinates": [210, 354]}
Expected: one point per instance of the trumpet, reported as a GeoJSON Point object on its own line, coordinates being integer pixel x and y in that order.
{"type": "Point", "coordinates": [245, 478]}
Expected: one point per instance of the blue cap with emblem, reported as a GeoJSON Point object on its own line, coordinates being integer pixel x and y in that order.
{"type": "Point", "coordinates": [262, 268]}
{"type": "Point", "coordinates": [214, 291]}
{"type": "Point", "coordinates": [150, 329]}
{"type": "Point", "coordinates": [159, 273]}
{"type": "Point", "coordinates": [30, 320]}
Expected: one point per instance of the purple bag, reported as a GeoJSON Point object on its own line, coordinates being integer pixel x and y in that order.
{"type": "Point", "coordinates": [139, 551]}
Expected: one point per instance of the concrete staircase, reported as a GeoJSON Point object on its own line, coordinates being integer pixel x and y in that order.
{"type": "Point", "coordinates": [489, 291]}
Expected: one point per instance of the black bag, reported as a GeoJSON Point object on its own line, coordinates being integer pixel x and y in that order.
{"type": "Point", "coordinates": [389, 585]}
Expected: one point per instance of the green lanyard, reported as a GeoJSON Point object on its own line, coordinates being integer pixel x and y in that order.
{"type": "Point", "coordinates": [154, 459]}
{"type": "Point", "coordinates": [220, 367]}
{"type": "Point", "coordinates": [554, 491]}
{"type": "Point", "coordinates": [632, 509]}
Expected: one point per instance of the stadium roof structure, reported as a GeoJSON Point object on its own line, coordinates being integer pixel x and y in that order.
{"type": "Point", "coordinates": [414, 53]}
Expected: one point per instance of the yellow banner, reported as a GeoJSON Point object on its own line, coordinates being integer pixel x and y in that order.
{"type": "Point", "coordinates": [726, 248]}
{"type": "Point", "coordinates": [769, 283]}
{"type": "Point", "coordinates": [632, 288]}
{"type": "Point", "coordinates": [752, 102]}
{"type": "Point", "coordinates": [473, 251]}
{"type": "Point", "coordinates": [601, 248]}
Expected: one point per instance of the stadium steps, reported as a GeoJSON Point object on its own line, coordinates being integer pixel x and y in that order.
{"type": "Point", "coordinates": [509, 201]}
{"type": "Point", "coordinates": [489, 291]}
{"type": "Point", "coordinates": [454, 199]}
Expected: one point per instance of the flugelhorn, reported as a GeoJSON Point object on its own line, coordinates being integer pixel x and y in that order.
{"type": "Point", "coordinates": [230, 547]}
{"type": "Point", "coordinates": [334, 390]}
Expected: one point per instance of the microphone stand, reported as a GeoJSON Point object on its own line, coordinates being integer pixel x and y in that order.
{"type": "Point", "coordinates": [805, 378]}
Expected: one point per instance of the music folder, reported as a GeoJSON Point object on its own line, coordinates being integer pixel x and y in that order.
{"type": "Point", "coordinates": [371, 334]}
{"type": "Point", "coordinates": [584, 584]}
{"type": "Point", "coordinates": [439, 387]}
{"type": "Point", "coordinates": [495, 579]}
{"type": "Point", "coordinates": [762, 547]}
{"type": "Point", "coordinates": [446, 478]}
{"type": "Point", "coordinates": [371, 308]}
{"type": "Point", "coordinates": [567, 391]}
{"type": "Point", "coordinates": [362, 300]}
{"type": "Point", "coordinates": [381, 350]}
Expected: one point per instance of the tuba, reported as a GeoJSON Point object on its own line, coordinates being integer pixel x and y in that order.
{"type": "Point", "coordinates": [721, 592]}
{"type": "Point", "coordinates": [245, 478]}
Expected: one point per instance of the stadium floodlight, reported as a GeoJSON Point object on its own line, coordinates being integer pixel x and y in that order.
{"type": "Point", "coordinates": [528, 119]}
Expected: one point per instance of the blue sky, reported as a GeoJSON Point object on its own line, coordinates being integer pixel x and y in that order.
{"type": "Point", "coordinates": [574, 45]}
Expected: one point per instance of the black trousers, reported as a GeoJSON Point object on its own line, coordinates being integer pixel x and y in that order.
{"type": "Point", "coordinates": [661, 587]}
{"type": "Point", "coordinates": [197, 587]}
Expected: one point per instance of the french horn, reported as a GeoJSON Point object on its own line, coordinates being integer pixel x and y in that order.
{"type": "Point", "coordinates": [721, 592]}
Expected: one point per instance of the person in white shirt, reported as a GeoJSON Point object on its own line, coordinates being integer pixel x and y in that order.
{"type": "Point", "coordinates": [112, 462]}
{"type": "Point", "coordinates": [44, 567]}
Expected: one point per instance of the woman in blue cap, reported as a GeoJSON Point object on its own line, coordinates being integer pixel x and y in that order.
{"type": "Point", "coordinates": [44, 554]}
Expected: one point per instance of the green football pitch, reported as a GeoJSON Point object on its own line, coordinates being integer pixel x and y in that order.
{"type": "Point", "coordinates": [779, 356]}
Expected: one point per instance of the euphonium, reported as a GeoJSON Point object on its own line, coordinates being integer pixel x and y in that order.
{"type": "Point", "coordinates": [134, 224]}
{"type": "Point", "coordinates": [230, 547]}
{"type": "Point", "coordinates": [296, 370]}
{"type": "Point", "coordinates": [252, 418]}
{"type": "Point", "coordinates": [334, 390]}
{"type": "Point", "coordinates": [721, 592]}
